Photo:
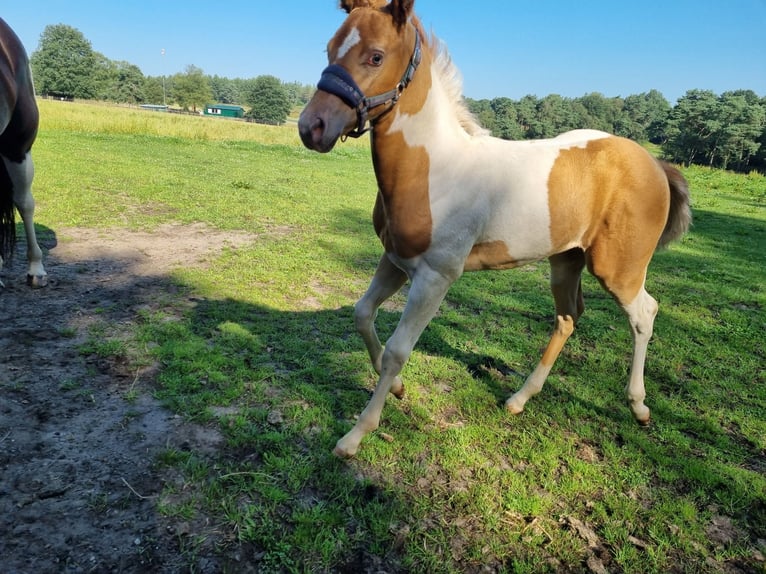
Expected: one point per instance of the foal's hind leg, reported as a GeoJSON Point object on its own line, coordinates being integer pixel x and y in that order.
{"type": "Point", "coordinates": [21, 175]}
{"type": "Point", "coordinates": [623, 273]}
{"type": "Point", "coordinates": [388, 279]}
{"type": "Point", "coordinates": [641, 312]}
{"type": "Point", "coordinates": [566, 270]}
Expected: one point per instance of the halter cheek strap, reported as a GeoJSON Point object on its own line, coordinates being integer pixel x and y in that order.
{"type": "Point", "coordinates": [337, 81]}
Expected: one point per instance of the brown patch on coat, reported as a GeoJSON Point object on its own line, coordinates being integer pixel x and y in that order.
{"type": "Point", "coordinates": [489, 255]}
{"type": "Point", "coordinates": [402, 214]}
{"type": "Point", "coordinates": [612, 198]}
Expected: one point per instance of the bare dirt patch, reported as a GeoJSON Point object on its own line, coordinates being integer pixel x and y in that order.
{"type": "Point", "coordinates": [78, 475]}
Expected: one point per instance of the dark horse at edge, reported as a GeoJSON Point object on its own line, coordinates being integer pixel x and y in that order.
{"type": "Point", "coordinates": [19, 120]}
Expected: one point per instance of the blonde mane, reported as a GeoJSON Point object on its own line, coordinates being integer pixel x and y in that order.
{"type": "Point", "coordinates": [452, 82]}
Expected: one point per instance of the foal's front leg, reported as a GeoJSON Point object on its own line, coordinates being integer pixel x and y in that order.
{"type": "Point", "coordinates": [387, 281]}
{"type": "Point", "coordinates": [426, 294]}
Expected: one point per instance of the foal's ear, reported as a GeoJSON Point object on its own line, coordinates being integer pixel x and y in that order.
{"type": "Point", "coordinates": [401, 10]}
{"type": "Point", "coordinates": [349, 5]}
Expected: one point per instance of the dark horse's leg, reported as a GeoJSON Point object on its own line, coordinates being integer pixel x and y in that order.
{"type": "Point", "coordinates": [21, 175]}
{"type": "Point", "coordinates": [19, 118]}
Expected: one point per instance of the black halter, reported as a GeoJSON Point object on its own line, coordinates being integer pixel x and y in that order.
{"type": "Point", "coordinates": [337, 81]}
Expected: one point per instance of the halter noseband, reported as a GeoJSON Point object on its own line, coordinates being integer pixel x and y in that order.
{"type": "Point", "coordinates": [337, 81]}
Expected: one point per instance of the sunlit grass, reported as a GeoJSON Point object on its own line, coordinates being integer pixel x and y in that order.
{"type": "Point", "coordinates": [451, 483]}
{"type": "Point", "coordinates": [94, 118]}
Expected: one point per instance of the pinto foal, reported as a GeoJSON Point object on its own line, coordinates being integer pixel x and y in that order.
{"type": "Point", "coordinates": [453, 199]}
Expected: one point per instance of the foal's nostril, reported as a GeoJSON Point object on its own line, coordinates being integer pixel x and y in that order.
{"type": "Point", "coordinates": [317, 127]}
{"type": "Point", "coordinates": [311, 130]}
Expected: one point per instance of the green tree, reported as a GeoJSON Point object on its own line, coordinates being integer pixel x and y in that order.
{"type": "Point", "coordinates": [118, 81]}
{"type": "Point", "coordinates": [483, 112]}
{"type": "Point", "coordinates": [725, 131]}
{"type": "Point", "coordinates": [268, 100]}
{"type": "Point", "coordinates": [225, 91]}
{"type": "Point", "coordinates": [130, 83]}
{"type": "Point", "coordinates": [692, 126]}
{"type": "Point", "coordinates": [759, 161]}
{"type": "Point", "coordinates": [656, 116]}
{"type": "Point", "coordinates": [506, 119]}
{"type": "Point", "coordinates": [191, 89]}
{"type": "Point", "coordinates": [555, 115]}
{"type": "Point", "coordinates": [595, 111]}
{"type": "Point", "coordinates": [742, 122]}
{"type": "Point", "coordinates": [155, 89]}
{"type": "Point", "coordinates": [299, 94]}
{"type": "Point", "coordinates": [104, 77]}
{"type": "Point", "coordinates": [526, 114]}
{"type": "Point", "coordinates": [644, 117]}
{"type": "Point", "coordinates": [64, 63]}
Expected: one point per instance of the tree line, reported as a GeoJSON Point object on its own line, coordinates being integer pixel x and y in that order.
{"type": "Point", "coordinates": [65, 65]}
{"type": "Point", "coordinates": [726, 131]}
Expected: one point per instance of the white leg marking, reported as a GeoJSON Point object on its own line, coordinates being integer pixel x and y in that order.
{"type": "Point", "coordinates": [641, 313]}
{"type": "Point", "coordinates": [388, 280]}
{"type": "Point", "coordinates": [561, 332]}
{"type": "Point", "coordinates": [426, 294]}
{"type": "Point", "coordinates": [22, 175]}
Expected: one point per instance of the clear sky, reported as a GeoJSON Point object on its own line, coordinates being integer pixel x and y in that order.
{"type": "Point", "coordinates": [502, 47]}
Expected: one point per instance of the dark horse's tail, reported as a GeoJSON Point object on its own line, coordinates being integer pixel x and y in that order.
{"type": "Point", "coordinates": [679, 215]}
{"type": "Point", "coordinates": [7, 214]}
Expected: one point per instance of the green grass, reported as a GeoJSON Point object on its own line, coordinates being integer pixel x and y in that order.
{"type": "Point", "coordinates": [268, 353]}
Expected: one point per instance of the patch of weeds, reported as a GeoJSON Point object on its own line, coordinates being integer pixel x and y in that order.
{"type": "Point", "coordinates": [70, 385]}
{"type": "Point", "coordinates": [99, 502]}
{"type": "Point", "coordinates": [103, 348]}
{"type": "Point", "coordinates": [68, 332]}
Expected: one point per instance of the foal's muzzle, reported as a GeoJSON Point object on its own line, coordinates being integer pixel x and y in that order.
{"type": "Point", "coordinates": [337, 81]}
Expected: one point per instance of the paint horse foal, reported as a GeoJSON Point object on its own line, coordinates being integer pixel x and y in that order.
{"type": "Point", "coordinates": [452, 199]}
{"type": "Point", "coordinates": [18, 129]}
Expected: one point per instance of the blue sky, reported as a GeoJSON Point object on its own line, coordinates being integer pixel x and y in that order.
{"type": "Point", "coordinates": [502, 47]}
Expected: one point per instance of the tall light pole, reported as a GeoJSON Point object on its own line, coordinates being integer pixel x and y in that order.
{"type": "Point", "coordinates": [162, 52]}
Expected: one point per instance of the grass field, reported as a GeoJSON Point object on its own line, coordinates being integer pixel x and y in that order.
{"type": "Point", "coordinates": [450, 482]}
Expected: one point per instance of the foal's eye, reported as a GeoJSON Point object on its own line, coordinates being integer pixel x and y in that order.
{"type": "Point", "coordinates": [376, 59]}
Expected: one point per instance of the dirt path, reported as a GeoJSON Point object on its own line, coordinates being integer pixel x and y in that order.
{"type": "Point", "coordinates": [78, 479]}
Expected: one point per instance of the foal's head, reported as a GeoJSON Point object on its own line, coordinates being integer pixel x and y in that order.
{"type": "Point", "coordinates": [372, 57]}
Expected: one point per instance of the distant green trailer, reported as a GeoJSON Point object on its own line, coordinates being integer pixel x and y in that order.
{"type": "Point", "coordinates": [224, 110]}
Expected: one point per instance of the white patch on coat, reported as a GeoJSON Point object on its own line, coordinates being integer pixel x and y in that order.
{"type": "Point", "coordinates": [483, 189]}
{"type": "Point", "coordinates": [350, 41]}
{"type": "Point", "coordinates": [579, 138]}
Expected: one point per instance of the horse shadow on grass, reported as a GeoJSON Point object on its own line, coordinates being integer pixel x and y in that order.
{"type": "Point", "coordinates": [281, 386]}
{"type": "Point", "coordinates": [296, 378]}
{"type": "Point", "coordinates": [720, 269]}
{"type": "Point", "coordinates": [317, 377]}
